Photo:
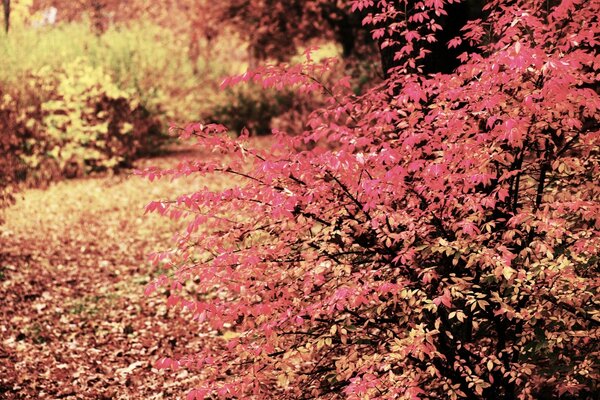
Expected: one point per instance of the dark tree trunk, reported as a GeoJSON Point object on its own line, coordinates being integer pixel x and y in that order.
{"type": "Point", "coordinates": [98, 15]}
{"type": "Point", "coordinates": [343, 25]}
{"type": "Point", "coordinates": [6, 4]}
{"type": "Point", "coordinates": [445, 60]}
{"type": "Point", "coordinates": [387, 59]}
{"type": "Point", "coordinates": [441, 59]}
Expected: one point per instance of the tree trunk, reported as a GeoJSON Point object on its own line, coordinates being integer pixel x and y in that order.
{"type": "Point", "coordinates": [6, 4]}
{"type": "Point", "coordinates": [442, 59]}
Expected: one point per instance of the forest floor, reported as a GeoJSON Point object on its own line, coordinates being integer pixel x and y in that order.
{"type": "Point", "coordinates": [74, 321]}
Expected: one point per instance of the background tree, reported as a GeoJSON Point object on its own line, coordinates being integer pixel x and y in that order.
{"type": "Point", "coordinates": [280, 27]}
{"type": "Point", "coordinates": [6, 9]}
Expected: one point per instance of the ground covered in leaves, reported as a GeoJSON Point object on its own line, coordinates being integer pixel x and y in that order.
{"type": "Point", "coordinates": [74, 322]}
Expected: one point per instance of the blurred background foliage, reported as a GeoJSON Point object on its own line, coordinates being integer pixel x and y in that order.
{"type": "Point", "coordinates": [90, 85]}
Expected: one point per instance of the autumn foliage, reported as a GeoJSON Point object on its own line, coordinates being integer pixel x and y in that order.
{"type": "Point", "coordinates": [68, 123]}
{"type": "Point", "coordinates": [434, 238]}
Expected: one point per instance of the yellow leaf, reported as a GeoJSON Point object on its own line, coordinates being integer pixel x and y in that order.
{"type": "Point", "coordinates": [508, 272]}
{"type": "Point", "coordinates": [478, 390]}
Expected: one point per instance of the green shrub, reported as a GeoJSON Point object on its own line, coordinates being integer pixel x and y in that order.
{"type": "Point", "coordinates": [90, 123]}
{"type": "Point", "coordinates": [67, 122]}
{"type": "Point", "coordinates": [261, 109]}
{"type": "Point", "coordinates": [249, 106]}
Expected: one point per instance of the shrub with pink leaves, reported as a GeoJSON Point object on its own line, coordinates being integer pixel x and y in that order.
{"type": "Point", "coordinates": [434, 238]}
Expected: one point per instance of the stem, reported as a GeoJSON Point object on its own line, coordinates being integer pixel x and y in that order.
{"type": "Point", "coordinates": [540, 189]}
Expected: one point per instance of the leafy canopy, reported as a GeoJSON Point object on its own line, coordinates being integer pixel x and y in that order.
{"type": "Point", "coordinates": [436, 237]}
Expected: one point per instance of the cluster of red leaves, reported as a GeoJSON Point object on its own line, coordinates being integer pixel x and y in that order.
{"type": "Point", "coordinates": [435, 238]}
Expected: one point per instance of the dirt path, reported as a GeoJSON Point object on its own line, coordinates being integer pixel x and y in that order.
{"type": "Point", "coordinates": [74, 322]}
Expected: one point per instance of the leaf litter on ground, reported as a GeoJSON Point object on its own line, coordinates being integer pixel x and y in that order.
{"type": "Point", "coordinates": [74, 322]}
